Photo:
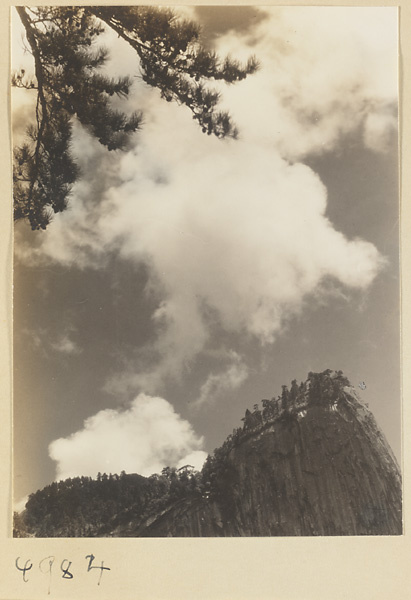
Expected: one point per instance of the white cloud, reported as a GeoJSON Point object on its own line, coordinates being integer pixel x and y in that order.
{"type": "Point", "coordinates": [47, 344]}
{"type": "Point", "coordinates": [142, 439]}
{"type": "Point", "coordinates": [240, 235]}
{"type": "Point", "coordinates": [217, 384]}
{"type": "Point", "coordinates": [330, 69]}
{"type": "Point", "coordinates": [234, 233]}
{"type": "Point", "coordinates": [20, 505]}
{"type": "Point", "coordinates": [195, 459]}
{"type": "Point", "coordinates": [378, 129]}
{"type": "Point", "coordinates": [66, 345]}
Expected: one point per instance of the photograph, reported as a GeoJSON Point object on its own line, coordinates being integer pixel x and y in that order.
{"type": "Point", "coordinates": [206, 272]}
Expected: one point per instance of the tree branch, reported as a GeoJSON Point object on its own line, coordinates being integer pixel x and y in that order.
{"type": "Point", "coordinates": [140, 47]}
{"type": "Point", "coordinates": [112, 23]}
{"type": "Point", "coordinates": [41, 123]}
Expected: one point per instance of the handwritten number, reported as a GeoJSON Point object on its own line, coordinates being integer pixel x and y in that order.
{"type": "Point", "coordinates": [51, 561]}
{"type": "Point", "coordinates": [25, 568]}
{"type": "Point", "coordinates": [66, 572]}
{"type": "Point", "coordinates": [102, 568]}
{"type": "Point", "coordinates": [46, 566]}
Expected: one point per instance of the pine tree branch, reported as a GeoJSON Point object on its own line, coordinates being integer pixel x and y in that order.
{"type": "Point", "coordinates": [67, 84]}
{"type": "Point", "coordinates": [41, 99]}
{"type": "Point", "coordinates": [192, 98]}
{"type": "Point", "coordinates": [139, 46]}
{"type": "Point", "coordinates": [113, 24]}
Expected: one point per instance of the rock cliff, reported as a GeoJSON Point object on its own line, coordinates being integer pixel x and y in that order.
{"type": "Point", "coordinates": [320, 466]}
{"type": "Point", "coordinates": [311, 462]}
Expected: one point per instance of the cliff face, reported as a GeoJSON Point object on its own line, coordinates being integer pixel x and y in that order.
{"type": "Point", "coordinates": [312, 462]}
{"type": "Point", "coordinates": [320, 467]}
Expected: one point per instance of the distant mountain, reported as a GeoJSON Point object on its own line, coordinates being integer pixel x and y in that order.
{"type": "Point", "coordinates": [311, 462]}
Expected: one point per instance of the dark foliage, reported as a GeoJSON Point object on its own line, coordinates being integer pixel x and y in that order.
{"type": "Point", "coordinates": [86, 507]}
{"type": "Point", "coordinates": [69, 84]}
{"type": "Point", "coordinates": [320, 388]}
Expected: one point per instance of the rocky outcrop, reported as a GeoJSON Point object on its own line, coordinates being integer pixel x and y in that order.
{"type": "Point", "coordinates": [311, 462]}
{"type": "Point", "coordinates": [321, 466]}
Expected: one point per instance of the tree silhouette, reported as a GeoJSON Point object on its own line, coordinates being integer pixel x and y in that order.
{"type": "Point", "coordinates": [69, 84]}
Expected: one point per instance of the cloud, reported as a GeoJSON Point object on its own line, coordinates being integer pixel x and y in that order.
{"type": "Point", "coordinates": [234, 241]}
{"type": "Point", "coordinates": [66, 345]}
{"type": "Point", "coordinates": [234, 234]}
{"type": "Point", "coordinates": [379, 128]}
{"type": "Point", "coordinates": [331, 68]}
{"type": "Point", "coordinates": [47, 343]}
{"type": "Point", "coordinates": [196, 459]}
{"type": "Point", "coordinates": [20, 505]}
{"type": "Point", "coordinates": [142, 439]}
{"type": "Point", "coordinates": [217, 384]}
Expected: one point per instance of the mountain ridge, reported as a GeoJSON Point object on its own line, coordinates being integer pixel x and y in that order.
{"type": "Point", "coordinates": [311, 462]}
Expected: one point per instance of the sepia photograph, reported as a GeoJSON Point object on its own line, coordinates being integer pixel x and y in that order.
{"type": "Point", "coordinates": [206, 272]}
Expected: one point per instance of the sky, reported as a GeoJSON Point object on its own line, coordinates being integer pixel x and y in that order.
{"type": "Point", "coordinates": [191, 277]}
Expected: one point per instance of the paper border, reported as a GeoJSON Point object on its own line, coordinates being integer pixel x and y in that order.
{"type": "Point", "coordinates": [216, 569]}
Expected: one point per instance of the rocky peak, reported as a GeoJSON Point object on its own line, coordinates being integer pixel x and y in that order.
{"type": "Point", "coordinates": [311, 461]}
